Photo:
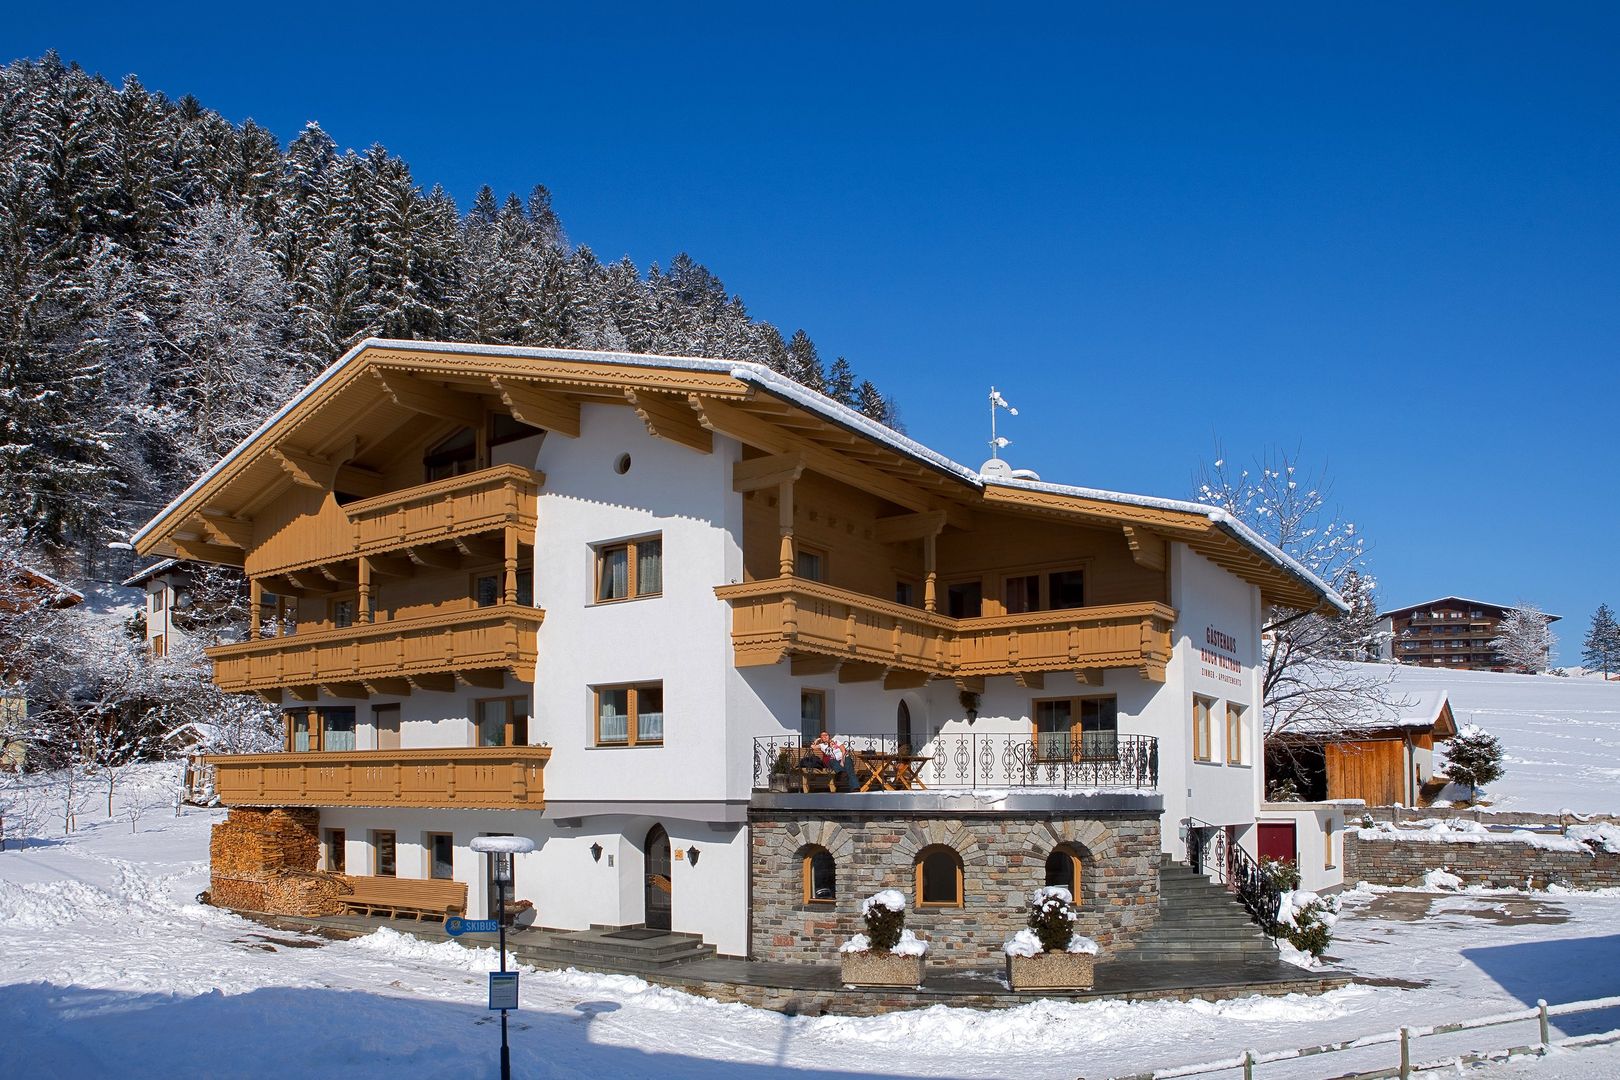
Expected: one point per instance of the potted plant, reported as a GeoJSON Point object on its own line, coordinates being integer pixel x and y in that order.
{"type": "Point", "coordinates": [1050, 955]}
{"type": "Point", "coordinates": [887, 954]}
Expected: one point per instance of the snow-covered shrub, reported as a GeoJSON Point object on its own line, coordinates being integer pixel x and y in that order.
{"type": "Point", "coordinates": [1283, 875]}
{"type": "Point", "coordinates": [885, 916]}
{"type": "Point", "coordinates": [1474, 759]}
{"type": "Point", "coordinates": [1307, 920]}
{"type": "Point", "coordinates": [1051, 926]}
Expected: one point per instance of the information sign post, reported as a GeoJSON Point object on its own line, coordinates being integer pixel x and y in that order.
{"type": "Point", "coordinates": [503, 985]}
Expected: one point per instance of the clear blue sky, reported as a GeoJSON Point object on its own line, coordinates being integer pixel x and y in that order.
{"type": "Point", "coordinates": [1383, 234]}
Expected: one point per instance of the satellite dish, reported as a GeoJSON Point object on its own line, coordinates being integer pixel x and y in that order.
{"type": "Point", "coordinates": [996, 468]}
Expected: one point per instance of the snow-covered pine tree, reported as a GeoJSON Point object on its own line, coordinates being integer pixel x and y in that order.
{"type": "Point", "coordinates": [1474, 758]}
{"type": "Point", "coordinates": [803, 365]}
{"type": "Point", "coordinates": [1525, 640]}
{"type": "Point", "coordinates": [1601, 649]}
{"type": "Point", "coordinates": [841, 383]}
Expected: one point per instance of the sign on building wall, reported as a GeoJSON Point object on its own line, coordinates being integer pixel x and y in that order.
{"type": "Point", "coordinates": [1218, 657]}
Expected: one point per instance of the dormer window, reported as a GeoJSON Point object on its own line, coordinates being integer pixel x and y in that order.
{"type": "Point", "coordinates": [454, 456]}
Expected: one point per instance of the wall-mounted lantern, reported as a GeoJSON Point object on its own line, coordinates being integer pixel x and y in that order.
{"type": "Point", "coordinates": [596, 852]}
{"type": "Point", "coordinates": [692, 855]}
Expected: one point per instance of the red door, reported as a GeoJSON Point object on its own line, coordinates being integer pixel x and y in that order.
{"type": "Point", "coordinates": [1277, 842]}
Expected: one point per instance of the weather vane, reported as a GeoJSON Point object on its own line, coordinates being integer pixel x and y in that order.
{"type": "Point", "coordinates": [997, 441]}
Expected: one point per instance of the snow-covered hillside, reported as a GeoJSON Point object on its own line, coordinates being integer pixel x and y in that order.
{"type": "Point", "coordinates": [1560, 736]}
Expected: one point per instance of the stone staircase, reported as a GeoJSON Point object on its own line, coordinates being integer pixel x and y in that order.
{"type": "Point", "coordinates": [1200, 921]}
{"type": "Point", "coordinates": [602, 950]}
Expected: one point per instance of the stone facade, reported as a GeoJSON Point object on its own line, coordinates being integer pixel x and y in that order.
{"type": "Point", "coordinates": [1003, 857]}
{"type": "Point", "coordinates": [1497, 865]}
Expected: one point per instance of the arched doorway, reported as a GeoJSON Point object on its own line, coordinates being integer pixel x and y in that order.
{"type": "Point", "coordinates": [902, 728]}
{"type": "Point", "coordinates": [659, 891]}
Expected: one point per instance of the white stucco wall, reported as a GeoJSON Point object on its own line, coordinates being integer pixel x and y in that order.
{"type": "Point", "coordinates": [1313, 824]}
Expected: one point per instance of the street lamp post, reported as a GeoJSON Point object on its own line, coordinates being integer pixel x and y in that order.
{"type": "Point", "coordinates": [500, 849]}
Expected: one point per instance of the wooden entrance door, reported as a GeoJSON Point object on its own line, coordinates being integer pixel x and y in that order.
{"type": "Point", "coordinates": [1277, 841]}
{"type": "Point", "coordinates": [659, 888]}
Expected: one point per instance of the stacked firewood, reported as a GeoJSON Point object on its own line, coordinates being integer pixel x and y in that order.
{"type": "Point", "coordinates": [265, 860]}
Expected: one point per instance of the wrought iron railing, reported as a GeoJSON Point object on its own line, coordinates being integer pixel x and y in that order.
{"type": "Point", "coordinates": [1209, 852]}
{"type": "Point", "coordinates": [972, 760]}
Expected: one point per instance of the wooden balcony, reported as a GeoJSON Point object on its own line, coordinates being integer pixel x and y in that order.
{"type": "Point", "coordinates": [427, 650]}
{"type": "Point", "coordinates": [462, 505]}
{"type": "Point", "coordinates": [778, 617]}
{"type": "Point", "coordinates": [472, 777]}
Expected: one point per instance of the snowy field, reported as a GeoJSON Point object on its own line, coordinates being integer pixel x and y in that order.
{"type": "Point", "coordinates": [1561, 736]}
{"type": "Point", "coordinates": [109, 967]}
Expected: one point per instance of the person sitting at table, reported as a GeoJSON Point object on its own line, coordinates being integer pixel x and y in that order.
{"type": "Point", "coordinates": [828, 753]}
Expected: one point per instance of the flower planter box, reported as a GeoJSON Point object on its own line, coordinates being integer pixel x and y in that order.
{"type": "Point", "coordinates": [881, 969]}
{"type": "Point", "coordinates": [1051, 971]}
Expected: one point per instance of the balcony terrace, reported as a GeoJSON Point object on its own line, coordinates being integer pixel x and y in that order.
{"type": "Point", "coordinates": [481, 777]}
{"type": "Point", "coordinates": [791, 616]}
{"type": "Point", "coordinates": [479, 645]}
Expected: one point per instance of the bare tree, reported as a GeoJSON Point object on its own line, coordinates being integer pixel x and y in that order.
{"type": "Point", "coordinates": [1525, 639]}
{"type": "Point", "coordinates": [1311, 683]}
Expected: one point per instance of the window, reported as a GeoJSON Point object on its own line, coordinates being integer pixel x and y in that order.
{"type": "Point", "coordinates": [1063, 869]}
{"type": "Point", "coordinates": [503, 722]}
{"type": "Point", "coordinates": [1202, 750]}
{"type": "Point", "coordinates": [441, 850]}
{"type": "Point", "coordinates": [1076, 729]}
{"type": "Point", "coordinates": [1020, 594]}
{"type": "Point", "coordinates": [487, 590]}
{"type": "Point", "coordinates": [939, 877]}
{"type": "Point", "coordinates": [453, 456]}
{"type": "Point", "coordinates": [905, 592]}
{"type": "Point", "coordinates": [505, 429]}
{"type": "Point", "coordinates": [820, 877]}
{"type": "Point", "coordinates": [964, 600]}
{"type": "Point", "coordinates": [630, 715]}
{"type": "Point", "coordinates": [812, 714]}
{"type": "Point", "coordinates": [382, 852]}
{"type": "Point", "coordinates": [810, 564]}
{"type": "Point", "coordinates": [1234, 734]}
{"type": "Point", "coordinates": [302, 734]}
{"type": "Point", "coordinates": [342, 612]}
{"type": "Point", "coordinates": [628, 570]}
{"type": "Point", "coordinates": [157, 598]}
{"type": "Point", "coordinates": [335, 841]}
{"type": "Point", "coordinates": [336, 728]}
{"type": "Point", "coordinates": [1065, 589]}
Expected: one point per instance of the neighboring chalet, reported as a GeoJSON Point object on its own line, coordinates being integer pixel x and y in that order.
{"type": "Point", "coordinates": [606, 601]}
{"type": "Point", "coordinates": [162, 585]}
{"type": "Point", "coordinates": [1451, 632]}
{"type": "Point", "coordinates": [1384, 759]}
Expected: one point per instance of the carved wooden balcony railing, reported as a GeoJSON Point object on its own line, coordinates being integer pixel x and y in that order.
{"type": "Point", "coordinates": [778, 617]}
{"type": "Point", "coordinates": [481, 777]}
{"type": "Point", "coordinates": [477, 502]}
{"type": "Point", "coordinates": [501, 636]}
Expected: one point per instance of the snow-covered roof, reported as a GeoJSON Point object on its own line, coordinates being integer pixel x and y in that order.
{"type": "Point", "coordinates": [151, 572]}
{"type": "Point", "coordinates": [1460, 600]}
{"type": "Point", "coordinates": [781, 386]}
{"type": "Point", "coordinates": [1383, 703]}
{"type": "Point", "coordinates": [66, 595]}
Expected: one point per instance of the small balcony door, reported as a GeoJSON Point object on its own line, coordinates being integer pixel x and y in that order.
{"type": "Point", "coordinates": [660, 890]}
{"type": "Point", "coordinates": [386, 720]}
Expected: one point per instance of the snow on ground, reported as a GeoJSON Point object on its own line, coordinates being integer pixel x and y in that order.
{"type": "Point", "coordinates": [1560, 736]}
{"type": "Point", "coordinates": [109, 967]}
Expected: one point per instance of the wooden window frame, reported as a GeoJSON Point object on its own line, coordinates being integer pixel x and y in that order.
{"type": "Point", "coordinates": [956, 858]}
{"type": "Point", "coordinates": [509, 727]}
{"type": "Point", "coordinates": [800, 550]}
{"type": "Point", "coordinates": [332, 602]}
{"type": "Point", "coordinates": [1203, 738]}
{"type": "Point", "coordinates": [632, 714]}
{"type": "Point", "coordinates": [632, 585]}
{"type": "Point", "coordinates": [1042, 573]}
{"type": "Point", "coordinates": [376, 851]}
{"type": "Point", "coordinates": [811, 692]}
{"type": "Point", "coordinates": [810, 897]}
{"type": "Point", "coordinates": [1076, 868]}
{"type": "Point", "coordinates": [158, 599]}
{"type": "Point", "coordinates": [288, 721]}
{"type": "Point", "coordinates": [1076, 726]}
{"type": "Point", "coordinates": [335, 840]}
{"type": "Point", "coordinates": [427, 846]}
{"type": "Point", "coordinates": [1234, 734]}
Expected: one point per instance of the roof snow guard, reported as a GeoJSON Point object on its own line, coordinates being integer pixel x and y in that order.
{"type": "Point", "coordinates": [688, 399]}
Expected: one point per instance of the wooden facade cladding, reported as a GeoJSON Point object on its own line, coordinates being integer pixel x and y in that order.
{"type": "Point", "coordinates": [500, 636]}
{"type": "Point", "coordinates": [471, 777]}
{"type": "Point", "coordinates": [790, 616]}
{"type": "Point", "coordinates": [500, 497]}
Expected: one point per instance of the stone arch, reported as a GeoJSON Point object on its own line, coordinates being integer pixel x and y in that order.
{"type": "Point", "coordinates": [827, 834]}
{"type": "Point", "coordinates": [943, 833]}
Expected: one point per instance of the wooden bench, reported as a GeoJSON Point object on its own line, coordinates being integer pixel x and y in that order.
{"type": "Point", "coordinates": [804, 777]}
{"type": "Point", "coordinates": [420, 898]}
